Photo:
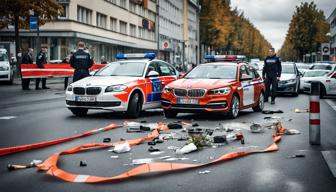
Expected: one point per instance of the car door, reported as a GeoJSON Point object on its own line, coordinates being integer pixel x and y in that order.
{"type": "Point", "coordinates": [153, 86]}
{"type": "Point", "coordinates": [247, 86]}
{"type": "Point", "coordinates": [332, 84]}
{"type": "Point", "coordinates": [257, 83]}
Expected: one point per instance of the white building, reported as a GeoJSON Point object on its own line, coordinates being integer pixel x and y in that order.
{"type": "Point", "coordinates": [107, 27]}
{"type": "Point", "coordinates": [332, 21]}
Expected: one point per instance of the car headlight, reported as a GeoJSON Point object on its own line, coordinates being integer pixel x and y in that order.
{"type": "Point", "coordinates": [167, 89]}
{"type": "Point", "coordinates": [115, 88]}
{"type": "Point", "coordinates": [4, 68]}
{"type": "Point", "coordinates": [69, 88]}
{"type": "Point", "coordinates": [291, 81]}
{"type": "Point", "coordinates": [221, 91]}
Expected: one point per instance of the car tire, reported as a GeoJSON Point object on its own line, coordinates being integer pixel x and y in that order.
{"type": "Point", "coordinates": [170, 113]}
{"type": "Point", "coordinates": [261, 103]}
{"type": "Point", "coordinates": [80, 112]}
{"type": "Point", "coordinates": [234, 107]}
{"type": "Point", "coordinates": [134, 106]}
{"type": "Point", "coordinates": [323, 91]}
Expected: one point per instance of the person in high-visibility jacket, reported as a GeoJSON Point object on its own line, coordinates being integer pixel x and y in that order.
{"type": "Point", "coordinates": [81, 62]}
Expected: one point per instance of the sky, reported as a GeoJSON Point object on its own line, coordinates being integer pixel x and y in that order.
{"type": "Point", "coordinates": [272, 17]}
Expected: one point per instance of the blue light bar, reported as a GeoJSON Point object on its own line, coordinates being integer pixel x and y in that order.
{"type": "Point", "coordinates": [136, 56]}
{"type": "Point", "coordinates": [209, 57]}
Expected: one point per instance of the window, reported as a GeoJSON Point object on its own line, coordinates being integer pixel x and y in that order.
{"type": "Point", "coordinates": [123, 27]}
{"type": "Point", "coordinates": [113, 24]}
{"type": "Point", "coordinates": [132, 7]}
{"type": "Point", "coordinates": [123, 3]}
{"type": "Point", "coordinates": [84, 15]}
{"type": "Point", "coordinates": [132, 30]}
{"type": "Point", "coordinates": [166, 70]}
{"type": "Point", "coordinates": [141, 32]}
{"type": "Point", "coordinates": [64, 14]}
{"type": "Point", "coordinates": [101, 20]}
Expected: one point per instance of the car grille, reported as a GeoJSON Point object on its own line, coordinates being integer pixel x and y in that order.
{"type": "Point", "coordinates": [180, 92]}
{"type": "Point", "coordinates": [79, 90]}
{"type": "Point", "coordinates": [189, 93]}
{"type": "Point", "coordinates": [93, 90]}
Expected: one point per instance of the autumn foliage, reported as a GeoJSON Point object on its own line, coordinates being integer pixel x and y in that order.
{"type": "Point", "coordinates": [307, 30]}
{"type": "Point", "coordinates": [228, 31]}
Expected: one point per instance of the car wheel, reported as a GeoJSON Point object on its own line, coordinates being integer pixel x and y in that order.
{"type": "Point", "coordinates": [234, 107]}
{"type": "Point", "coordinates": [134, 106]}
{"type": "Point", "coordinates": [323, 91]}
{"type": "Point", "coordinates": [80, 112]}
{"type": "Point", "coordinates": [170, 113]}
{"type": "Point", "coordinates": [261, 103]}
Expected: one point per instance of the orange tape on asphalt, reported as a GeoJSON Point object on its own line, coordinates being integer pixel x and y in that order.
{"type": "Point", "coordinates": [11, 150]}
{"type": "Point", "coordinates": [50, 164]}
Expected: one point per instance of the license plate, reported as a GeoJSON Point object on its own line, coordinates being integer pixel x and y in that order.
{"type": "Point", "coordinates": [186, 101]}
{"type": "Point", "coordinates": [85, 98]}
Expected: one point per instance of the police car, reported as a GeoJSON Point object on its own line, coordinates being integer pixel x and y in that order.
{"type": "Point", "coordinates": [226, 84]}
{"type": "Point", "coordinates": [327, 84]}
{"type": "Point", "coordinates": [132, 84]}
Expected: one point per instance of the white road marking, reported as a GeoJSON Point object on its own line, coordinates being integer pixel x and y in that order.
{"type": "Point", "coordinates": [7, 117]}
{"type": "Point", "coordinates": [331, 103]}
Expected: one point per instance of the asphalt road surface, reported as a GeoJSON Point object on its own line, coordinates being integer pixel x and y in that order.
{"type": "Point", "coordinates": [35, 116]}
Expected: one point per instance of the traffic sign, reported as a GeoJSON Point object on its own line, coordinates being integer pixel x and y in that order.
{"type": "Point", "coordinates": [33, 23]}
{"type": "Point", "coordinates": [325, 48]}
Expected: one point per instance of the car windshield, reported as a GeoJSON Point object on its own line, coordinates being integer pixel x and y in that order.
{"type": "Point", "coordinates": [213, 72]}
{"type": "Point", "coordinates": [322, 66]}
{"type": "Point", "coordinates": [133, 69]}
{"type": "Point", "coordinates": [288, 69]}
{"type": "Point", "coordinates": [314, 73]}
{"type": "Point", "coordinates": [3, 57]}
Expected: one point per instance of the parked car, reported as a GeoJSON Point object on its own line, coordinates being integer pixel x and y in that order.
{"type": "Point", "coordinates": [327, 84]}
{"type": "Point", "coordinates": [6, 69]}
{"type": "Point", "coordinates": [215, 87]}
{"type": "Point", "coordinates": [303, 67]}
{"type": "Point", "coordinates": [310, 75]}
{"type": "Point", "coordinates": [290, 79]}
{"type": "Point", "coordinates": [322, 66]}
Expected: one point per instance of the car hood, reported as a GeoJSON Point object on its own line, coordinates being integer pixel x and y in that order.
{"type": "Point", "coordinates": [104, 80]}
{"type": "Point", "coordinates": [201, 83]}
{"type": "Point", "coordinates": [287, 76]}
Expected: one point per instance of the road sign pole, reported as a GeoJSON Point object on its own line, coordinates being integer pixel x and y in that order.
{"type": "Point", "coordinates": [314, 114]}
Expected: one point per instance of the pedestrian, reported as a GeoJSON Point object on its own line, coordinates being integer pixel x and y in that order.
{"type": "Point", "coordinates": [41, 59]}
{"type": "Point", "coordinates": [271, 74]}
{"type": "Point", "coordinates": [27, 59]}
{"type": "Point", "coordinates": [103, 60]}
{"type": "Point", "coordinates": [81, 62]}
{"type": "Point", "coordinates": [66, 60]}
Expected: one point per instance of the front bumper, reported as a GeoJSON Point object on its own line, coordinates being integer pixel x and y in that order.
{"type": "Point", "coordinates": [104, 101]}
{"type": "Point", "coordinates": [208, 103]}
{"type": "Point", "coordinates": [287, 88]}
{"type": "Point", "coordinates": [5, 75]}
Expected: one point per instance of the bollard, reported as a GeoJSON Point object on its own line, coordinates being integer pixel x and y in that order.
{"type": "Point", "coordinates": [314, 114]}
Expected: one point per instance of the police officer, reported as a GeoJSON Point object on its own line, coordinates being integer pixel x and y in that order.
{"type": "Point", "coordinates": [271, 74]}
{"type": "Point", "coordinates": [81, 61]}
{"type": "Point", "coordinates": [27, 59]}
{"type": "Point", "coordinates": [41, 59]}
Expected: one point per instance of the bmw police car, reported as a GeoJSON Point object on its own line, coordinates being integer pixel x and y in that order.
{"type": "Point", "coordinates": [229, 85]}
{"type": "Point", "coordinates": [327, 84]}
{"type": "Point", "coordinates": [132, 84]}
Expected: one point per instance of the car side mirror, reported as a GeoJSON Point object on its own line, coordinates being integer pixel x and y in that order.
{"type": "Point", "coordinates": [300, 74]}
{"type": "Point", "coordinates": [245, 77]}
{"type": "Point", "coordinates": [153, 74]}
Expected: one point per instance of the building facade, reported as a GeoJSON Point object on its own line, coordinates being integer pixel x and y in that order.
{"type": "Point", "coordinates": [107, 27]}
{"type": "Point", "coordinates": [332, 21]}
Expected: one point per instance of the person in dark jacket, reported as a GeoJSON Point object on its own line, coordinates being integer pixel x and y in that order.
{"type": "Point", "coordinates": [27, 59]}
{"type": "Point", "coordinates": [81, 61]}
{"type": "Point", "coordinates": [41, 59]}
{"type": "Point", "coordinates": [271, 74]}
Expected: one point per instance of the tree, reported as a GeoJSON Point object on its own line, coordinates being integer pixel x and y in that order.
{"type": "Point", "coordinates": [307, 30]}
{"type": "Point", "coordinates": [17, 13]}
{"type": "Point", "coordinates": [229, 31]}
